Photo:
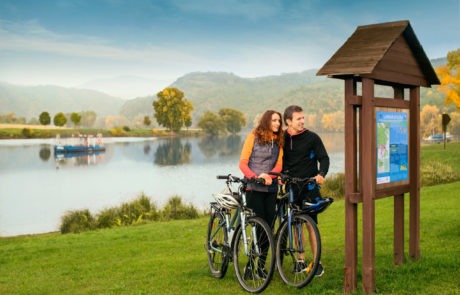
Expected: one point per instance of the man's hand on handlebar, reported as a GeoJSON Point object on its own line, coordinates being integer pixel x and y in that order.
{"type": "Point", "coordinates": [319, 179]}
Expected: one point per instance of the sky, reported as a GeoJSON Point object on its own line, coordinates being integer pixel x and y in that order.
{"type": "Point", "coordinates": [70, 43]}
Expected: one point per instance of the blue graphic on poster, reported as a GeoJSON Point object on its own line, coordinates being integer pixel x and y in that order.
{"type": "Point", "coordinates": [392, 146]}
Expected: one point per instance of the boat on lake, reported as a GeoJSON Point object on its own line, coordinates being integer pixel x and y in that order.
{"type": "Point", "coordinates": [83, 144]}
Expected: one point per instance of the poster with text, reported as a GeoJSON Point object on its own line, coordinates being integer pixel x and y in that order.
{"type": "Point", "coordinates": [392, 146]}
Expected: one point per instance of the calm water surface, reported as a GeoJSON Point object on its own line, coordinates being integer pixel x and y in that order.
{"type": "Point", "coordinates": [37, 188]}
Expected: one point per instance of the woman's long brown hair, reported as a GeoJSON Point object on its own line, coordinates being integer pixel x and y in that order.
{"type": "Point", "coordinates": [263, 132]}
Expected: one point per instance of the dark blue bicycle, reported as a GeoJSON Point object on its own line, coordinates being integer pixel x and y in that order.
{"type": "Point", "coordinates": [298, 241]}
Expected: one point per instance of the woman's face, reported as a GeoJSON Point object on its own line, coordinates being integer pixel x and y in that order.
{"type": "Point", "coordinates": [276, 122]}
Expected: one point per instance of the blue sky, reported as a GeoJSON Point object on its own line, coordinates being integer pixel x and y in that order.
{"type": "Point", "coordinates": [68, 43]}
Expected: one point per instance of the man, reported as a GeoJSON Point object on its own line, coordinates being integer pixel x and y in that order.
{"type": "Point", "coordinates": [304, 156]}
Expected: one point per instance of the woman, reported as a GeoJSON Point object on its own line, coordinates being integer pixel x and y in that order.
{"type": "Point", "coordinates": [262, 153]}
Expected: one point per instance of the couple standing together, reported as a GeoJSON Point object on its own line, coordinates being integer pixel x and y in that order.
{"type": "Point", "coordinates": [269, 148]}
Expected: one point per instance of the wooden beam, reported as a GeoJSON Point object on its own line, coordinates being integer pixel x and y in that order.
{"type": "Point", "coordinates": [414, 173]}
{"type": "Point", "coordinates": [351, 211]}
{"type": "Point", "coordinates": [368, 183]}
{"type": "Point", "coordinates": [398, 209]}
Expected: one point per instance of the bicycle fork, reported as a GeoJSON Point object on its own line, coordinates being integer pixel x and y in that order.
{"type": "Point", "coordinates": [254, 242]}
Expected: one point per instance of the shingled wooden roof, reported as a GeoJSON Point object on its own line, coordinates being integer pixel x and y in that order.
{"type": "Point", "coordinates": [388, 53]}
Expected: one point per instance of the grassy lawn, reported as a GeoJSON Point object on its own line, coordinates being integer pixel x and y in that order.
{"type": "Point", "coordinates": [169, 257]}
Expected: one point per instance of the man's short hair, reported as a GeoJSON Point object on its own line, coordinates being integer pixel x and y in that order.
{"type": "Point", "coordinates": [290, 110]}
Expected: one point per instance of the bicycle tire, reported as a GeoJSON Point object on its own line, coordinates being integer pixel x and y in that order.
{"type": "Point", "coordinates": [217, 248]}
{"type": "Point", "coordinates": [288, 260]}
{"type": "Point", "coordinates": [261, 263]}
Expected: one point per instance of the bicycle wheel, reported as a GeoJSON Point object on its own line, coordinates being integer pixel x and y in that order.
{"type": "Point", "coordinates": [217, 249]}
{"type": "Point", "coordinates": [298, 253]}
{"type": "Point", "coordinates": [254, 263]}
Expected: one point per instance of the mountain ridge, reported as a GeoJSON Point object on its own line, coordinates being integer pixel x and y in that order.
{"type": "Point", "coordinates": [208, 91]}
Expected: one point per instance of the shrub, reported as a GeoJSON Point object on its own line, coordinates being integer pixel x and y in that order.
{"type": "Point", "coordinates": [77, 221]}
{"type": "Point", "coordinates": [126, 128]}
{"type": "Point", "coordinates": [137, 211]}
{"type": "Point", "coordinates": [27, 132]}
{"type": "Point", "coordinates": [117, 131]}
{"type": "Point", "coordinates": [334, 186]}
{"type": "Point", "coordinates": [434, 172]}
{"type": "Point", "coordinates": [175, 209]}
{"type": "Point", "coordinates": [107, 218]}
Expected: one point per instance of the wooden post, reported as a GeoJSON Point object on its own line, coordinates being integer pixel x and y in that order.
{"type": "Point", "coordinates": [351, 211]}
{"type": "Point", "coordinates": [398, 217]}
{"type": "Point", "coordinates": [414, 174]}
{"type": "Point", "coordinates": [368, 183]}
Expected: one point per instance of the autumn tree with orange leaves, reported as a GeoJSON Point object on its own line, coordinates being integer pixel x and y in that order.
{"type": "Point", "coordinates": [449, 76]}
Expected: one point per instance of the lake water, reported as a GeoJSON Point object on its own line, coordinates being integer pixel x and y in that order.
{"type": "Point", "coordinates": [36, 188]}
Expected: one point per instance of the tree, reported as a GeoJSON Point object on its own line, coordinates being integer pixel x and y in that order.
{"type": "Point", "coordinates": [211, 123]}
{"type": "Point", "coordinates": [333, 122]}
{"type": "Point", "coordinates": [233, 119]}
{"type": "Point", "coordinates": [454, 124]}
{"type": "Point", "coordinates": [44, 118]}
{"type": "Point", "coordinates": [172, 109]}
{"type": "Point", "coordinates": [449, 75]}
{"type": "Point", "coordinates": [88, 118]}
{"type": "Point", "coordinates": [59, 119]}
{"type": "Point", "coordinates": [430, 122]}
{"type": "Point", "coordinates": [75, 118]}
{"type": "Point", "coordinates": [147, 121]}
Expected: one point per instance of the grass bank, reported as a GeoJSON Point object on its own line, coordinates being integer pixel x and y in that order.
{"type": "Point", "coordinates": [169, 257]}
{"type": "Point", "coordinates": [15, 131]}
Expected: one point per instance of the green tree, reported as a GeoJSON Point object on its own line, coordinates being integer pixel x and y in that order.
{"type": "Point", "coordinates": [233, 119]}
{"type": "Point", "coordinates": [59, 119]}
{"type": "Point", "coordinates": [147, 121]}
{"type": "Point", "coordinates": [211, 124]}
{"type": "Point", "coordinates": [171, 108]}
{"type": "Point", "coordinates": [44, 118]}
{"type": "Point", "coordinates": [75, 118]}
{"type": "Point", "coordinates": [188, 121]}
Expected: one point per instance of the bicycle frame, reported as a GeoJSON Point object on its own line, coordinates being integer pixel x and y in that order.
{"type": "Point", "coordinates": [232, 221]}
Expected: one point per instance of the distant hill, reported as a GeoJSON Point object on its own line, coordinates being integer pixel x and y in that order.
{"type": "Point", "coordinates": [30, 101]}
{"type": "Point", "coordinates": [206, 90]}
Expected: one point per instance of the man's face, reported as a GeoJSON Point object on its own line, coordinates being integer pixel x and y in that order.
{"type": "Point", "coordinates": [296, 125]}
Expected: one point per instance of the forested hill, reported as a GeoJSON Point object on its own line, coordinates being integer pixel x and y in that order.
{"type": "Point", "coordinates": [211, 91]}
{"type": "Point", "coordinates": [206, 90]}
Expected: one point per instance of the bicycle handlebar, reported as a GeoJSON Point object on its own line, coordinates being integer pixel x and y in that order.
{"type": "Point", "coordinates": [245, 181]}
{"type": "Point", "coordinates": [295, 180]}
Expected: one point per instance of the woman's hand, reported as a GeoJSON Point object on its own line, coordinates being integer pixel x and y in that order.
{"type": "Point", "coordinates": [267, 178]}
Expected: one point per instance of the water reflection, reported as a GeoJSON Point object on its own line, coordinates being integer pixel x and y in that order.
{"type": "Point", "coordinates": [45, 153]}
{"type": "Point", "coordinates": [147, 148]}
{"type": "Point", "coordinates": [78, 159]}
{"type": "Point", "coordinates": [172, 152]}
{"type": "Point", "coordinates": [222, 146]}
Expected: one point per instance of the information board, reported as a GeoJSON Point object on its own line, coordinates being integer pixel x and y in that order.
{"type": "Point", "coordinates": [392, 146]}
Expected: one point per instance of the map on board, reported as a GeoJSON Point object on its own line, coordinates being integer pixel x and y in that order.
{"type": "Point", "coordinates": [392, 146]}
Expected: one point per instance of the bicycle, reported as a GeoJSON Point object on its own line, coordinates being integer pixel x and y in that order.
{"type": "Point", "coordinates": [298, 241]}
{"type": "Point", "coordinates": [236, 235]}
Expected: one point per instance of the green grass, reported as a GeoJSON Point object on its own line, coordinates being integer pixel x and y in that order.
{"type": "Point", "coordinates": [17, 133]}
{"type": "Point", "coordinates": [169, 257]}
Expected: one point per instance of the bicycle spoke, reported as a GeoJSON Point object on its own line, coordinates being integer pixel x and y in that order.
{"type": "Point", "coordinates": [216, 248]}
{"type": "Point", "coordinates": [297, 260]}
{"type": "Point", "coordinates": [254, 260]}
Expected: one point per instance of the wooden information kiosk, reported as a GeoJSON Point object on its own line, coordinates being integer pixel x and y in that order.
{"type": "Point", "coordinates": [382, 137]}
